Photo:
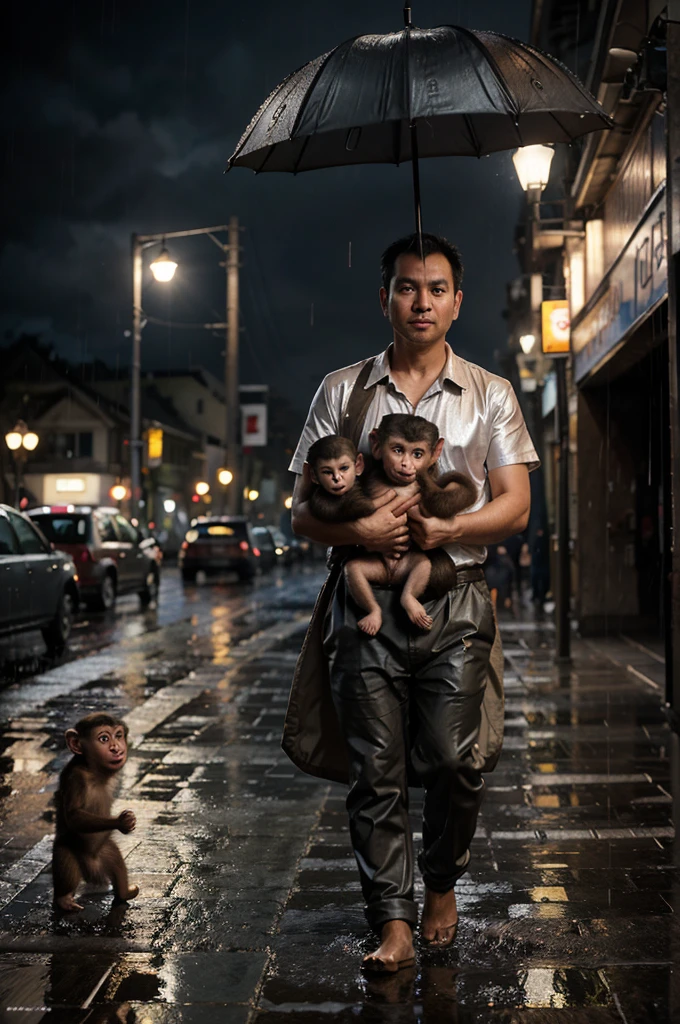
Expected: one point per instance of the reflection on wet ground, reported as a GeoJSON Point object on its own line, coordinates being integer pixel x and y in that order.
{"type": "Point", "coordinates": [249, 907]}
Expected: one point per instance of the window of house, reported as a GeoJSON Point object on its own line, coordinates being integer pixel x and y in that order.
{"type": "Point", "coordinates": [85, 444]}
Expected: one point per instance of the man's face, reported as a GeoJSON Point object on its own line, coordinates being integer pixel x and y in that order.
{"type": "Point", "coordinates": [402, 459]}
{"type": "Point", "coordinates": [337, 476]}
{"type": "Point", "coordinates": [422, 301]}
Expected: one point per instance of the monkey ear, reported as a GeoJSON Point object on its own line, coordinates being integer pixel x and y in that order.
{"type": "Point", "coordinates": [375, 446]}
{"type": "Point", "coordinates": [73, 741]}
{"type": "Point", "coordinates": [438, 449]}
{"type": "Point", "coordinates": [359, 465]}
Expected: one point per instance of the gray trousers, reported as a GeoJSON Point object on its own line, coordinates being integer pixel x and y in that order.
{"type": "Point", "coordinates": [408, 703]}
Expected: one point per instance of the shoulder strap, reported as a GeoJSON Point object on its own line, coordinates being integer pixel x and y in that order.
{"type": "Point", "coordinates": [358, 405]}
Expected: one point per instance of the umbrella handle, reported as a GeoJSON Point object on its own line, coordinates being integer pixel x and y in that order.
{"type": "Point", "coordinates": [416, 186]}
{"type": "Point", "coordinates": [407, 15]}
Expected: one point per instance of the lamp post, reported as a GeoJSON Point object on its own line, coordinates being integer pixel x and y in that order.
{"type": "Point", "coordinates": [20, 440]}
{"type": "Point", "coordinates": [532, 164]}
{"type": "Point", "coordinates": [163, 268]}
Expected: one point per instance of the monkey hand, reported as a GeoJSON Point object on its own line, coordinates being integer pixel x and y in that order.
{"type": "Point", "coordinates": [429, 532]}
{"type": "Point", "coordinates": [127, 822]}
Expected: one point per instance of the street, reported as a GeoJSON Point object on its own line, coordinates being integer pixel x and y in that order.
{"type": "Point", "coordinates": [249, 906]}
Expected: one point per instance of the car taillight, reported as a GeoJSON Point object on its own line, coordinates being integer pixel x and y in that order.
{"type": "Point", "coordinates": [256, 552]}
{"type": "Point", "coordinates": [86, 556]}
{"type": "Point", "coordinates": [243, 545]}
{"type": "Point", "coordinates": [185, 545]}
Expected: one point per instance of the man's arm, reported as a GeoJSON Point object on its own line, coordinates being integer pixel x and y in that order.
{"type": "Point", "coordinates": [507, 513]}
{"type": "Point", "coordinates": [386, 530]}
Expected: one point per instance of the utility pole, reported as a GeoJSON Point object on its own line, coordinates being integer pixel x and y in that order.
{"type": "Point", "coordinates": [135, 373]}
{"type": "Point", "coordinates": [563, 582]}
{"type": "Point", "coordinates": [672, 601]}
{"type": "Point", "coordinates": [231, 392]}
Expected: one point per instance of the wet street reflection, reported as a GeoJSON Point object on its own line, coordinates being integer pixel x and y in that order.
{"type": "Point", "coordinates": [249, 906]}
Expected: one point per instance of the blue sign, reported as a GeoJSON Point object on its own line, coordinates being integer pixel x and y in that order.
{"type": "Point", "coordinates": [635, 284]}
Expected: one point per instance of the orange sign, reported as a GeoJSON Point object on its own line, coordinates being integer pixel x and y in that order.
{"type": "Point", "coordinates": [555, 327]}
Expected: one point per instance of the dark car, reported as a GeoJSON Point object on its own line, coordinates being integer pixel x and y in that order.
{"type": "Point", "coordinates": [282, 549]}
{"type": "Point", "coordinates": [218, 544]}
{"type": "Point", "coordinates": [38, 586]}
{"type": "Point", "coordinates": [265, 543]}
{"type": "Point", "coordinates": [112, 556]}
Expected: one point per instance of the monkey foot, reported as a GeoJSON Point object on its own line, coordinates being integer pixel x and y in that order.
{"type": "Point", "coordinates": [371, 623]}
{"type": "Point", "coordinates": [417, 613]}
{"type": "Point", "coordinates": [129, 895]}
{"type": "Point", "coordinates": [67, 903]}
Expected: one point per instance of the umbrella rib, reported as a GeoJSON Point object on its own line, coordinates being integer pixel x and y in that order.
{"type": "Point", "coordinates": [270, 150]}
{"type": "Point", "coordinates": [296, 165]}
{"type": "Point", "coordinates": [473, 135]}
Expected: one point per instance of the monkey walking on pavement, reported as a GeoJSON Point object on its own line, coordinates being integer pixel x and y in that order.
{"type": "Point", "coordinates": [405, 451]}
{"type": "Point", "coordinates": [83, 845]}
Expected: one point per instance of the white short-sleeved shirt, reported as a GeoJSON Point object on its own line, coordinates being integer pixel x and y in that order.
{"type": "Point", "coordinates": [476, 412]}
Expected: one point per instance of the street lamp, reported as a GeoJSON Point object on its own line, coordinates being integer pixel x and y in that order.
{"type": "Point", "coordinates": [163, 269]}
{"type": "Point", "coordinates": [527, 342]}
{"type": "Point", "coordinates": [202, 488]}
{"type": "Point", "coordinates": [532, 164]}
{"type": "Point", "coordinates": [19, 441]}
{"type": "Point", "coordinates": [118, 492]}
{"type": "Point", "coordinates": [225, 476]}
{"type": "Point", "coordinates": [253, 495]}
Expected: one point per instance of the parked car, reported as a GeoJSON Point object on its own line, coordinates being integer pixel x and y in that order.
{"type": "Point", "coordinates": [265, 543]}
{"type": "Point", "coordinates": [282, 549]}
{"type": "Point", "coordinates": [38, 586]}
{"type": "Point", "coordinates": [218, 544]}
{"type": "Point", "coordinates": [112, 556]}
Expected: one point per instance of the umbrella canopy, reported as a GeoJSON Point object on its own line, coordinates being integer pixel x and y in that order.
{"type": "Point", "coordinates": [445, 91]}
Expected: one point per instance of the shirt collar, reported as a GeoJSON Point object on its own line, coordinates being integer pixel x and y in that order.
{"type": "Point", "coordinates": [455, 370]}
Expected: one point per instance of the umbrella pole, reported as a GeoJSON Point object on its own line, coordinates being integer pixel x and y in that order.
{"type": "Point", "coordinates": [416, 186]}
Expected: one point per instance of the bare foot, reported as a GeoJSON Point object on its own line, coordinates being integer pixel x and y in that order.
{"type": "Point", "coordinates": [67, 903]}
{"type": "Point", "coordinates": [439, 922]}
{"type": "Point", "coordinates": [416, 612]}
{"type": "Point", "coordinates": [130, 894]}
{"type": "Point", "coordinates": [395, 950]}
{"type": "Point", "coordinates": [371, 623]}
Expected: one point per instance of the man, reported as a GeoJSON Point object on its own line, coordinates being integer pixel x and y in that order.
{"type": "Point", "coordinates": [409, 701]}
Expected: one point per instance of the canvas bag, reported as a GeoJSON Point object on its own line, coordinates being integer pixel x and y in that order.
{"type": "Point", "coordinates": [311, 731]}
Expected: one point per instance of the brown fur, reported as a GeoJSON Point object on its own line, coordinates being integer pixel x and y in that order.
{"type": "Point", "coordinates": [83, 846]}
{"type": "Point", "coordinates": [343, 508]}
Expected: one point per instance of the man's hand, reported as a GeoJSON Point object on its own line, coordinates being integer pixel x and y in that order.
{"type": "Point", "coordinates": [429, 532]}
{"type": "Point", "coordinates": [386, 530]}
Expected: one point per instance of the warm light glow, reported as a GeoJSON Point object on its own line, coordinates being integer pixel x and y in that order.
{"type": "Point", "coordinates": [225, 476]}
{"type": "Point", "coordinates": [30, 441]}
{"type": "Point", "coordinates": [13, 440]}
{"type": "Point", "coordinates": [288, 503]}
{"type": "Point", "coordinates": [169, 505]}
{"type": "Point", "coordinates": [163, 268]}
{"type": "Point", "coordinates": [527, 342]}
{"type": "Point", "coordinates": [202, 487]}
{"type": "Point", "coordinates": [532, 164]}
{"type": "Point", "coordinates": [118, 492]}
{"type": "Point", "coordinates": [253, 495]}
{"type": "Point", "coordinates": [66, 484]}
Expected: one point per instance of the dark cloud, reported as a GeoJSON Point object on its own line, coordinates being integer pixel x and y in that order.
{"type": "Point", "coordinates": [120, 117]}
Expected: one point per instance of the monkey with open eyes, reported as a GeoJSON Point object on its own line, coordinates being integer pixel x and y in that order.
{"type": "Point", "coordinates": [83, 845]}
{"type": "Point", "coordinates": [405, 451]}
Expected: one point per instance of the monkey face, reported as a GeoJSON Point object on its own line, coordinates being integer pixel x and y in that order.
{"type": "Point", "coordinates": [105, 749]}
{"type": "Point", "coordinates": [337, 476]}
{"type": "Point", "coordinates": [403, 459]}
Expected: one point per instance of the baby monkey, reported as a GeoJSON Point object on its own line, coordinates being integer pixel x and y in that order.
{"type": "Point", "coordinates": [405, 452]}
{"type": "Point", "coordinates": [83, 846]}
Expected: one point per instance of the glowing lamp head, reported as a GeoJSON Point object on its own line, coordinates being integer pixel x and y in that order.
{"type": "Point", "coordinates": [532, 164]}
{"type": "Point", "coordinates": [202, 487]}
{"type": "Point", "coordinates": [527, 342]}
{"type": "Point", "coordinates": [13, 440]}
{"type": "Point", "coordinates": [225, 476]}
{"type": "Point", "coordinates": [253, 495]}
{"type": "Point", "coordinates": [118, 492]}
{"type": "Point", "coordinates": [163, 267]}
{"type": "Point", "coordinates": [30, 441]}
{"type": "Point", "coordinates": [169, 505]}
{"type": "Point", "coordinates": [288, 503]}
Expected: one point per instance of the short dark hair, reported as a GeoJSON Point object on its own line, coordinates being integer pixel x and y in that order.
{"type": "Point", "coordinates": [410, 428]}
{"type": "Point", "coordinates": [96, 720]}
{"type": "Point", "coordinates": [331, 447]}
{"type": "Point", "coordinates": [431, 244]}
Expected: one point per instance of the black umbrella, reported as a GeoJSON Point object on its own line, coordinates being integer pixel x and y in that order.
{"type": "Point", "coordinates": [445, 91]}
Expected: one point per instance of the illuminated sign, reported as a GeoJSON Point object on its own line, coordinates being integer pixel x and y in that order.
{"type": "Point", "coordinates": [555, 327]}
{"type": "Point", "coordinates": [69, 485]}
{"type": "Point", "coordinates": [154, 439]}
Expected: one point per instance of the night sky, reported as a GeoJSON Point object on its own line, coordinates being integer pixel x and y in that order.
{"type": "Point", "coordinates": [120, 115]}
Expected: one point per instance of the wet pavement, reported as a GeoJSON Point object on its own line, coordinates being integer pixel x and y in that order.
{"type": "Point", "coordinates": [249, 906]}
